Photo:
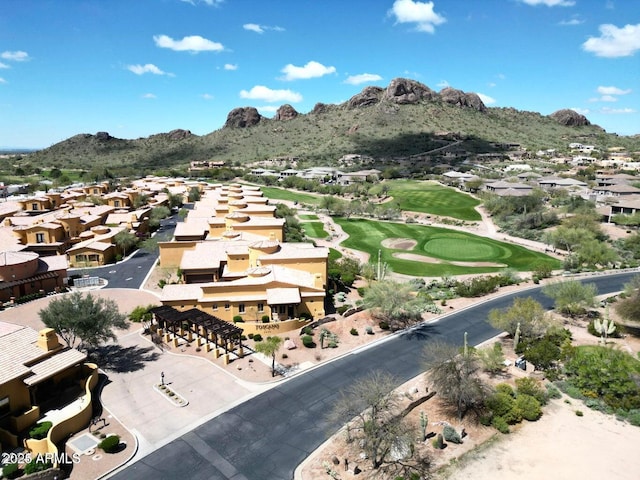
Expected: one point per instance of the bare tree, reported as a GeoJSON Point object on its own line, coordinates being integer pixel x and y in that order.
{"type": "Point", "coordinates": [455, 375]}
{"type": "Point", "coordinates": [370, 410]}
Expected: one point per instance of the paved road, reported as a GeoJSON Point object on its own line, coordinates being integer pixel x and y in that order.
{"type": "Point", "coordinates": [132, 272]}
{"type": "Point", "coordinates": [268, 436]}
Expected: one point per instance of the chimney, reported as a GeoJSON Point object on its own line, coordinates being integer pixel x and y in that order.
{"type": "Point", "coordinates": [48, 340]}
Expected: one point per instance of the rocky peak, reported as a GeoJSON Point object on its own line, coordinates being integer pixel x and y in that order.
{"type": "Point", "coordinates": [179, 134]}
{"type": "Point", "coordinates": [368, 96]}
{"type": "Point", "coordinates": [103, 136]}
{"type": "Point", "coordinates": [404, 91]}
{"type": "Point", "coordinates": [243, 117]}
{"type": "Point", "coordinates": [286, 112]}
{"type": "Point", "coordinates": [462, 99]}
{"type": "Point", "coordinates": [320, 108]}
{"type": "Point", "coordinates": [570, 118]}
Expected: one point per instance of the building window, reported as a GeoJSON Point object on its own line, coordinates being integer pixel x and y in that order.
{"type": "Point", "coordinates": [39, 237]}
{"type": "Point", "coordinates": [215, 307]}
{"type": "Point", "coordinates": [116, 203]}
{"type": "Point", "coordinates": [227, 306]}
{"type": "Point", "coordinates": [261, 307]}
{"type": "Point", "coordinates": [241, 308]}
{"type": "Point", "coordinates": [34, 206]}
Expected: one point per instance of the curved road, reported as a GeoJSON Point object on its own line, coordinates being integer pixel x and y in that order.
{"type": "Point", "coordinates": [269, 435]}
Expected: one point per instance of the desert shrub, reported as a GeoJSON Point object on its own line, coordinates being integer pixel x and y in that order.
{"type": "Point", "coordinates": [438, 442]}
{"type": "Point", "coordinates": [307, 341]}
{"type": "Point", "coordinates": [553, 391]}
{"type": "Point", "coordinates": [237, 319]}
{"type": "Point", "coordinates": [35, 466]}
{"type": "Point", "coordinates": [250, 336]}
{"type": "Point", "coordinates": [257, 337]}
{"type": "Point", "coordinates": [617, 333]}
{"type": "Point", "coordinates": [307, 331]}
{"type": "Point", "coordinates": [633, 417]}
{"type": "Point", "coordinates": [531, 386]}
{"type": "Point", "coordinates": [11, 470]}
{"type": "Point", "coordinates": [362, 291]}
{"type": "Point", "coordinates": [383, 325]}
{"type": "Point", "coordinates": [368, 329]}
{"type": "Point", "coordinates": [505, 388]}
{"type": "Point", "coordinates": [528, 407]}
{"type": "Point", "coordinates": [265, 318]}
{"type": "Point", "coordinates": [500, 424]}
{"type": "Point", "coordinates": [500, 404]}
{"type": "Point", "coordinates": [110, 444]}
{"type": "Point", "coordinates": [579, 413]}
{"type": "Point", "coordinates": [353, 331]}
{"type": "Point", "coordinates": [451, 435]}
{"type": "Point", "coordinates": [40, 431]}
{"type": "Point", "coordinates": [343, 308]}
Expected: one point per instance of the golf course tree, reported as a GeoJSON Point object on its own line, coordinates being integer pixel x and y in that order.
{"type": "Point", "coordinates": [342, 272]}
{"type": "Point", "coordinates": [125, 240]}
{"type": "Point", "coordinates": [395, 303]}
{"type": "Point", "coordinates": [370, 410]}
{"type": "Point", "coordinates": [269, 348]}
{"type": "Point", "coordinates": [571, 297]}
{"type": "Point", "coordinates": [455, 375]}
{"type": "Point", "coordinates": [524, 319]}
{"type": "Point", "coordinates": [83, 321]}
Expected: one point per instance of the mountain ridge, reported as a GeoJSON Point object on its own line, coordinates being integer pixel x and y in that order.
{"type": "Point", "coordinates": [401, 120]}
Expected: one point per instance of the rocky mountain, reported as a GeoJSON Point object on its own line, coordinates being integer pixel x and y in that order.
{"type": "Point", "coordinates": [404, 119]}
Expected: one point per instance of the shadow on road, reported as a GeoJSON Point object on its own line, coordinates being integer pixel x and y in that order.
{"type": "Point", "coordinates": [117, 358]}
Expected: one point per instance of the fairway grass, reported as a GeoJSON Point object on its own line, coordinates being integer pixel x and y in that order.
{"type": "Point", "coordinates": [290, 195]}
{"type": "Point", "coordinates": [434, 199]}
{"type": "Point", "coordinates": [445, 246]}
{"type": "Point", "coordinates": [314, 229]}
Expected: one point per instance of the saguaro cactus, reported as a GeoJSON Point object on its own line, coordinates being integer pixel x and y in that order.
{"type": "Point", "coordinates": [604, 327]}
{"type": "Point", "coordinates": [516, 338]}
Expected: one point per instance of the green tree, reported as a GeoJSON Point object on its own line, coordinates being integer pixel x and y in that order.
{"type": "Point", "coordinates": [194, 194]}
{"type": "Point", "coordinates": [629, 306]}
{"type": "Point", "coordinates": [125, 240]}
{"type": "Point", "coordinates": [395, 303]}
{"type": "Point", "coordinates": [269, 348]}
{"type": "Point", "coordinates": [157, 214]}
{"type": "Point", "coordinates": [571, 297]}
{"type": "Point", "coordinates": [526, 313]}
{"type": "Point", "coordinates": [84, 318]}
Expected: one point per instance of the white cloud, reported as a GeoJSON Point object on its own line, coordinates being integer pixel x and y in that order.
{"type": "Point", "coordinates": [608, 98]}
{"type": "Point", "coordinates": [2, 80]}
{"type": "Point", "coordinates": [442, 84]}
{"type": "Point", "coordinates": [254, 27]}
{"type": "Point", "coordinates": [192, 43]}
{"type": "Point", "coordinates": [617, 111]}
{"type": "Point", "coordinates": [613, 91]}
{"type": "Point", "coordinates": [571, 22]}
{"type": "Point", "coordinates": [362, 78]}
{"type": "Point", "coordinates": [4, 65]}
{"type": "Point", "coordinates": [17, 56]}
{"type": "Point", "coordinates": [207, 96]}
{"type": "Point", "coordinates": [486, 99]}
{"type": "Point", "coordinates": [310, 70]}
{"type": "Point", "coordinates": [581, 111]}
{"type": "Point", "coordinates": [230, 66]}
{"type": "Point", "coordinates": [260, 92]}
{"type": "Point", "coordinates": [420, 13]}
{"type": "Point", "coordinates": [146, 68]}
{"type": "Point", "coordinates": [614, 41]}
{"type": "Point", "coordinates": [149, 95]}
{"type": "Point", "coordinates": [212, 3]}
{"type": "Point", "coordinates": [550, 3]}
{"type": "Point", "coordinates": [492, 84]}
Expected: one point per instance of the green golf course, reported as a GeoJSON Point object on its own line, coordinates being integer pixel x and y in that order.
{"type": "Point", "coordinates": [434, 252]}
{"type": "Point", "coordinates": [290, 195]}
{"type": "Point", "coordinates": [434, 199]}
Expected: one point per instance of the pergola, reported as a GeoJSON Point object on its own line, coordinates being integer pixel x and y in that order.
{"type": "Point", "coordinates": [172, 320]}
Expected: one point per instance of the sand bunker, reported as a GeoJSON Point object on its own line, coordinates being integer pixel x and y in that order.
{"type": "Point", "coordinates": [399, 243]}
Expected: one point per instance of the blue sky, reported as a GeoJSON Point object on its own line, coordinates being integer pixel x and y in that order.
{"type": "Point", "coordinates": [134, 68]}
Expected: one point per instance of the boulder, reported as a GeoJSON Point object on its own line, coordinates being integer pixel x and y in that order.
{"type": "Point", "coordinates": [462, 99]}
{"type": "Point", "coordinates": [179, 134]}
{"type": "Point", "coordinates": [368, 96]}
{"type": "Point", "coordinates": [320, 108]}
{"type": "Point", "coordinates": [243, 117]}
{"type": "Point", "coordinates": [404, 91]}
{"type": "Point", "coordinates": [286, 112]}
{"type": "Point", "coordinates": [570, 118]}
